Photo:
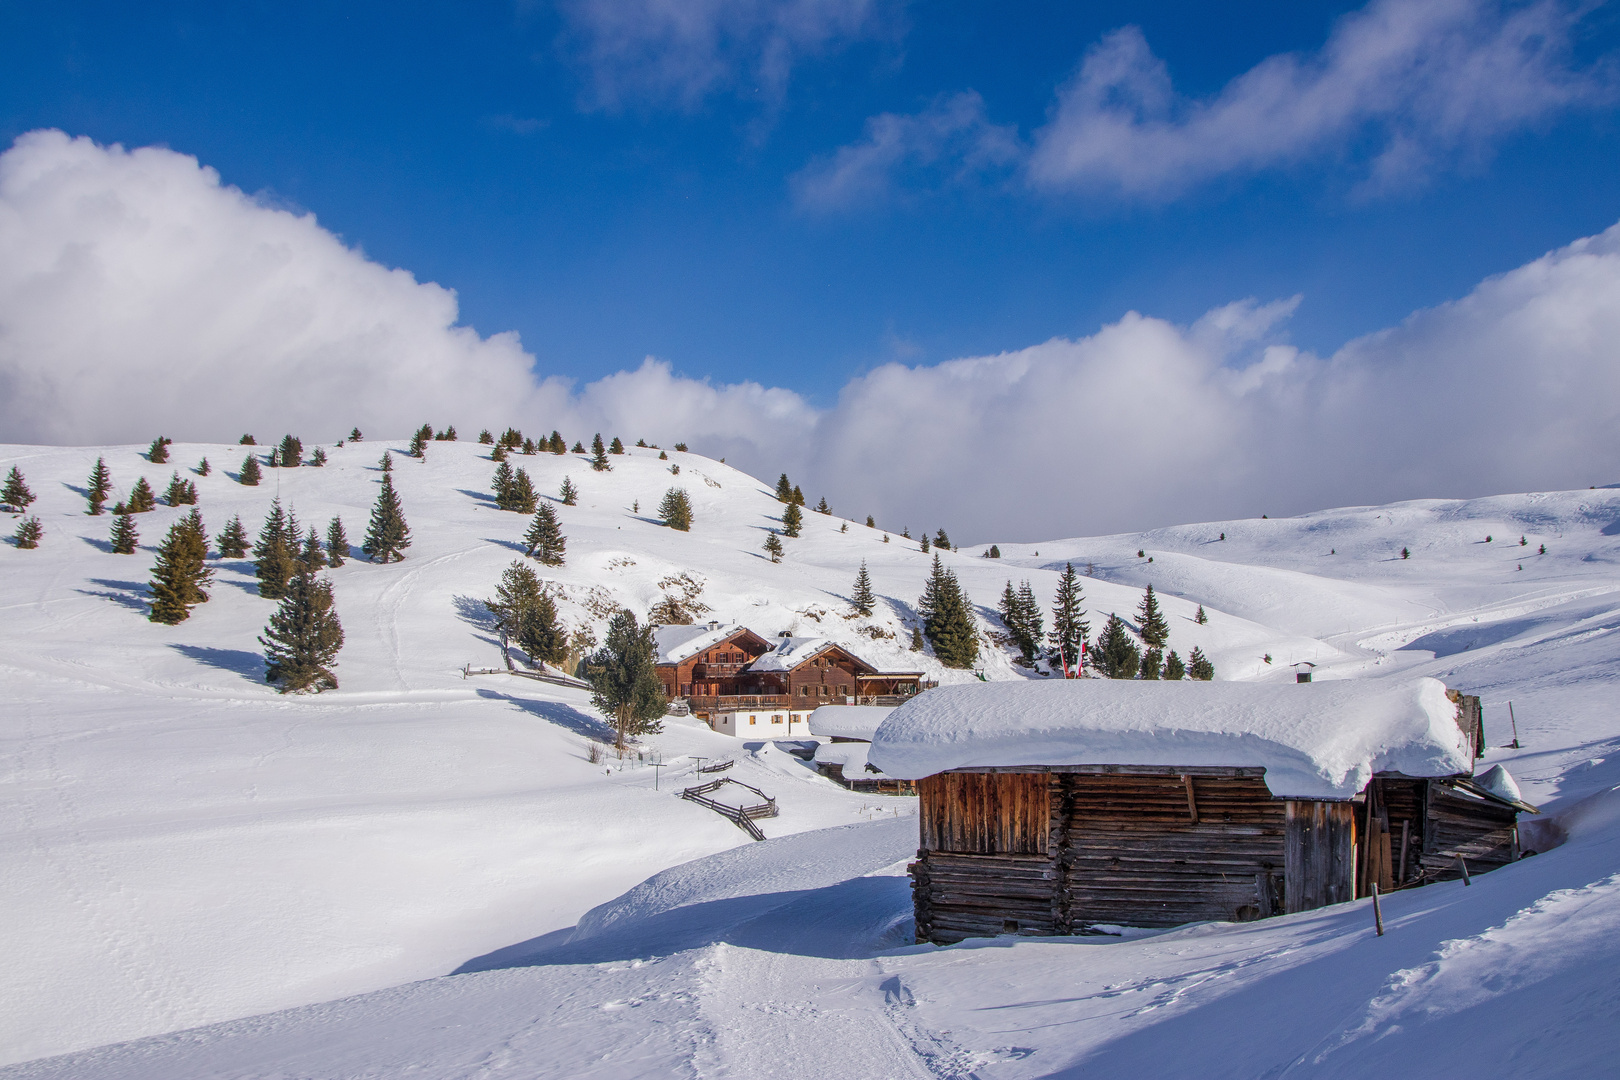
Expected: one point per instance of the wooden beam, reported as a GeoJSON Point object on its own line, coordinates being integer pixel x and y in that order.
{"type": "Point", "coordinates": [1192, 800]}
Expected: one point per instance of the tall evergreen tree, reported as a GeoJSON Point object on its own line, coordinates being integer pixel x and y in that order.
{"type": "Point", "coordinates": [158, 452]}
{"type": "Point", "coordinates": [792, 520]}
{"type": "Point", "coordinates": [250, 474]}
{"type": "Point", "coordinates": [798, 496]}
{"type": "Point", "coordinates": [501, 484]}
{"type": "Point", "coordinates": [1117, 656]}
{"type": "Point", "coordinates": [142, 499]}
{"type": "Point", "coordinates": [387, 462]}
{"type": "Point", "coordinates": [124, 534]}
{"type": "Point", "coordinates": [1152, 663]}
{"type": "Point", "coordinates": [617, 447]}
{"type": "Point", "coordinates": [15, 494]}
{"type": "Point", "coordinates": [388, 536]}
{"type": "Point", "coordinates": [28, 534]}
{"type": "Point", "coordinates": [499, 453]}
{"type": "Point", "coordinates": [545, 539]}
{"type": "Point", "coordinates": [99, 485]}
{"type": "Point", "coordinates": [1199, 667]}
{"type": "Point", "coordinates": [623, 678]}
{"type": "Point", "coordinates": [521, 497]}
{"type": "Point", "coordinates": [822, 507]}
{"type": "Point", "coordinates": [948, 619]}
{"type": "Point", "coordinates": [925, 543]}
{"type": "Point", "coordinates": [556, 444]}
{"type": "Point", "coordinates": [1174, 669]}
{"type": "Point", "coordinates": [1200, 618]}
{"type": "Point", "coordinates": [773, 546]}
{"type": "Point", "coordinates": [448, 434]}
{"type": "Point", "coordinates": [1155, 631]}
{"type": "Point", "coordinates": [274, 556]}
{"type": "Point", "coordinates": [318, 457]}
{"type": "Point", "coordinates": [1069, 627]}
{"type": "Point", "coordinates": [419, 445]}
{"type": "Point", "coordinates": [485, 438]}
{"type": "Point", "coordinates": [291, 451]}
{"type": "Point", "coordinates": [203, 468]}
{"type": "Point", "coordinates": [526, 614]}
{"type": "Point", "coordinates": [861, 598]}
{"type": "Point", "coordinates": [181, 571]}
{"type": "Point", "coordinates": [993, 553]}
{"type": "Point", "coordinates": [313, 557]}
{"type": "Point", "coordinates": [247, 440]}
{"type": "Point", "coordinates": [180, 492]}
{"type": "Point", "coordinates": [578, 449]}
{"type": "Point", "coordinates": [337, 543]}
{"type": "Point", "coordinates": [568, 492]}
{"type": "Point", "coordinates": [784, 489]}
{"type": "Point", "coordinates": [1021, 614]}
{"type": "Point", "coordinates": [676, 510]}
{"type": "Point", "coordinates": [599, 461]}
{"type": "Point", "coordinates": [302, 640]}
{"type": "Point", "coordinates": [355, 436]}
{"type": "Point", "coordinates": [233, 539]}
{"type": "Point", "coordinates": [871, 522]}
{"type": "Point", "coordinates": [942, 541]}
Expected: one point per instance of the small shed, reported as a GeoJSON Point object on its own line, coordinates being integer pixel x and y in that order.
{"type": "Point", "coordinates": [1055, 807]}
{"type": "Point", "coordinates": [844, 760]}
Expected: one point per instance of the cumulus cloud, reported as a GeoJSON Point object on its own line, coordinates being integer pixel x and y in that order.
{"type": "Point", "coordinates": [678, 52]}
{"type": "Point", "coordinates": [139, 295]}
{"type": "Point", "coordinates": [1400, 89]}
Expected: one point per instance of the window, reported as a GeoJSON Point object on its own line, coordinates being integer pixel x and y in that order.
{"type": "Point", "coordinates": [776, 718]}
{"type": "Point", "coordinates": [804, 691]}
{"type": "Point", "coordinates": [752, 720]}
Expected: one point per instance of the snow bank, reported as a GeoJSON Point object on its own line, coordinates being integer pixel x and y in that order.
{"type": "Point", "coordinates": [848, 721]}
{"type": "Point", "coordinates": [1315, 740]}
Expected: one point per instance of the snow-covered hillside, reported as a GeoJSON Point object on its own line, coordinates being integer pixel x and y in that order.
{"type": "Point", "coordinates": [185, 846]}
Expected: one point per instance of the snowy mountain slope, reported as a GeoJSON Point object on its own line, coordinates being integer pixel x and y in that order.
{"type": "Point", "coordinates": [188, 846]}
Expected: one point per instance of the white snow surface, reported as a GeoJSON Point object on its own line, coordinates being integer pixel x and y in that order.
{"type": "Point", "coordinates": [206, 879]}
{"type": "Point", "coordinates": [848, 721]}
{"type": "Point", "coordinates": [1317, 740]}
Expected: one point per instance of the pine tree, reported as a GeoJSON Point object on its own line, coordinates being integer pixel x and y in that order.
{"type": "Point", "coordinates": [525, 613]}
{"type": "Point", "coordinates": [355, 436]}
{"type": "Point", "coordinates": [15, 493]}
{"type": "Point", "coordinates": [318, 458]}
{"type": "Point", "coordinates": [1199, 667]}
{"type": "Point", "coordinates": [1152, 663]}
{"type": "Point", "coordinates": [1069, 628]}
{"type": "Point", "coordinates": [158, 452]}
{"type": "Point", "coordinates": [599, 460]}
{"type": "Point", "coordinates": [680, 447]}
{"type": "Point", "coordinates": [1116, 654]}
{"type": "Point", "coordinates": [337, 543]}
{"type": "Point", "coordinates": [176, 494]}
{"type": "Point", "coordinates": [822, 507]}
{"type": "Point", "coordinates": [389, 535]}
{"type": "Point", "coordinates": [916, 639]}
{"type": "Point", "coordinates": [498, 454]}
{"type": "Point", "coordinates": [798, 496]}
{"type": "Point", "coordinates": [233, 540]}
{"type": "Point", "coordinates": [528, 446]}
{"type": "Point", "coordinates": [501, 484]}
{"type": "Point", "coordinates": [181, 571]}
{"type": "Point", "coordinates": [773, 546]}
{"type": "Point", "coordinates": [448, 434]}
{"type": "Point", "coordinates": [203, 468]}
{"type": "Point", "coordinates": [624, 681]}
{"type": "Point", "coordinates": [274, 553]}
{"type": "Point", "coordinates": [302, 640]}
{"type": "Point", "coordinates": [861, 597]}
{"type": "Point", "coordinates": [942, 541]}
{"type": "Point", "coordinates": [520, 497]}
{"type": "Point", "coordinates": [925, 544]}
{"type": "Point", "coordinates": [1200, 618]}
{"type": "Point", "coordinates": [291, 451]}
{"type": "Point", "coordinates": [578, 449]}
{"type": "Point", "coordinates": [249, 474]}
{"type": "Point", "coordinates": [556, 444]}
{"type": "Point", "coordinates": [676, 510]}
{"type": "Point", "coordinates": [99, 485]}
{"type": "Point", "coordinates": [1174, 669]}
{"type": "Point", "coordinates": [247, 440]}
{"type": "Point", "coordinates": [142, 499]}
{"type": "Point", "coordinates": [993, 553]}
{"type": "Point", "coordinates": [947, 619]}
{"type": "Point", "coordinates": [274, 460]}
{"type": "Point", "coordinates": [28, 534]}
{"type": "Point", "coordinates": [784, 489]}
{"type": "Point", "coordinates": [419, 445]}
{"type": "Point", "coordinates": [871, 522]}
{"type": "Point", "coordinates": [124, 534]}
{"type": "Point", "coordinates": [313, 556]}
{"type": "Point", "coordinates": [545, 539]}
{"type": "Point", "coordinates": [1407, 554]}
{"type": "Point", "coordinates": [617, 447]}
{"type": "Point", "coordinates": [792, 520]}
{"type": "Point", "coordinates": [1153, 628]}
{"type": "Point", "coordinates": [485, 438]}
{"type": "Point", "coordinates": [568, 492]}
{"type": "Point", "coordinates": [1034, 622]}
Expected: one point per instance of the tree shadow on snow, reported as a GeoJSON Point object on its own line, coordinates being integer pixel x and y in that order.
{"type": "Point", "coordinates": [516, 546]}
{"type": "Point", "coordinates": [477, 496]}
{"type": "Point", "coordinates": [131, 594]}
{"type": "Point", "coordinates": [249, 665]}
{"type": "Point", "coordinates": [473, 610]}
{"type": "Point", "coordinates": [99, 545]}
{"type": "Point", "coordinates": [556, 712]}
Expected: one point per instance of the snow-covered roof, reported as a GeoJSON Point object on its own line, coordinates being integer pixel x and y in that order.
{"type": "Point", "coordinates": [677, 643]}
{"type": "Point", "coordinates": [848, 721]}
{"type": "Point", "coordinates": [790, 652]}
{"type": "Point", "coordinates": [852, 756]}
{"type": "Point", "coordinates": [1315, 740]}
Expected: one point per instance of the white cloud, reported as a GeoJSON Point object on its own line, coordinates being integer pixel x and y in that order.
{"type": "Point", "coordinates": [953, 130]}
{"type": "Point", "coordinates": [139, 296]}
{"type": "Point", "coordinates": [678, 52]}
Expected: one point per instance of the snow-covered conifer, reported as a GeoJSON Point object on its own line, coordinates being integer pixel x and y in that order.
{"type": "Point", "coordinates": [1154, 630]}
{"type": "Point", "coordinates": [389, 535]}
{"type": "Point", "coordinates": [948, 619]}
{"type": "Point", "coordinates": [861, 598]}
{"type": "Point", "coordinates": [1117, 655]}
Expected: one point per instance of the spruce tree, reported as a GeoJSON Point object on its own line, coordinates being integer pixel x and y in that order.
{"type": "Point", "coordinates": [942, 541]}
{"type": "Point", "coordinates": [181, 571]}
{"type": "Point", "coordinates": [233, 540]}
{"type": "Point", "coordinates": [528, 446]}
{"type": "Point", "coordinates": [948, 619]}
{"type": "Point", "coordinates": [545, 539]}
{"type": "Point", "coordinates": [203, 468]}
{"type": "Point", "coordinates": [1116, 654]}
{"type": "Point", "coordinates": [99, 485]}
{"type": "Point", "coordinates": [773, 546]}
{"type": "Point", "coordinates": [526, 614]}
{"type": "Point", "coordinates": [485, 438]}
{"type": "Point", "coordinates": [680, 447]}
{"type": "Point", "coordinates": [124, 534]}
{"type": "Point", "coordinates": [924, 544]}
{"type": "Point", "coordinates": [499, 453]}
{"type": "Point", "coordinates": [798, 496]}
{"type": "Point", "coordinates": [387, 462]}
{"type": "Point", "coordinates": [624, 681]}
{"type": "Point", "coordinates": [568, 492]}
{"type": "Point", "coordinates": [250, 474]}
{"type": "Point", "coordinates": [355, 436]}
{"type": "Point", "coordinates": [822, 507]}
{"type": "Point", "coordinates": [302, 640]}
{"type": "Point", "coordinates": [861, 598]}
{"type": "Point", "coordinates": [1021, 614]}
{"type": "Point", "coordinates": [556, 444]}
{"type": "Point", "coordinates": [520, 497]}
{"type": "Point", "coordinates": [274, 555]}
{"type": "Point", "coordinates": [1174, 669]}
{"type": "Point", "coordinates": [1199, 667]}
{"type": "Point", "coordinates": [141, 497]}
{"type": "Point", "coordinates": [448, 434]}
{"type": "Point", "coordinates": [1152, 663]}
{"type": "Point", "coordinates": [1200, 618]}
{"type": "Point", "coordinates": [993, 553]}
{"type": "Point", "coordinates": [419, 445]}
{"type": "Point", "coordinates": [15, 493]}
{"type": "Point", "coordinates": [337, 543]}
{"type": "Point", "coordinates": [389, 535]}
{"type": "Point", "coordinates": [1069, 627]}
{"type": "Point", "coordinates": [291, 452]}
{"type": "Point", "coordinates": [318, 458]}
{"type": "Point", "coordinates": [247, 440]}
{"type": "Point", "coordinates": [617, 447]}
{"type": "Point", "coordinates": [313, 556]}
{"type": "Point", "coordinates": [1154, 630]}
{"type": "Point", "coordinates": [158, 452]}
{"type": "Point", "coordinates": [501, 484]}
{"type": "Point", "coordinates": [599, 460]}
{"type": "Point", "coordinates": [676, 510]}
{"type": "Point", "coordinates": [29, 532]}
{"type": "Point", "coordinates": [792, 520]}
{"type": "Point", "coordinates": [180, 492]}
{"type": "Point", "coordinates": [784, 489]}
{"type": "Point", "coordinates": [578, 449]}
{"type": "Point", "coordinates": [871, 522]}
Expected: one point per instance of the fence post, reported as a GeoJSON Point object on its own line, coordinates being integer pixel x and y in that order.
{"type": "Point", "coordinates": [1378, 913]}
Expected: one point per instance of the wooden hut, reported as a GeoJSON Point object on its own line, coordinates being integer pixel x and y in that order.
{"type": "Point", "coordinates": [1054, 808]}
{"type": "Point", "coordinates": [843, 758]}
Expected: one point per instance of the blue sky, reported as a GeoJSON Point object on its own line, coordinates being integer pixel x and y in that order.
{"type": "Point", "coordinates": [606, 212]}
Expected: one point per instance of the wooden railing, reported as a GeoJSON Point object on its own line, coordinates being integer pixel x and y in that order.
{"type": "Point", "coordinates": [742, 816]}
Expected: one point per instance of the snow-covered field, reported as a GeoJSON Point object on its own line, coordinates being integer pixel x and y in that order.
{"type": "Point", "coordinates": [184, 847]}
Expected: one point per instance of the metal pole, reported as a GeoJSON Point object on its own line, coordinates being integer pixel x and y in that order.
{"type": "Point", "coordinates": [1515, 722]}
